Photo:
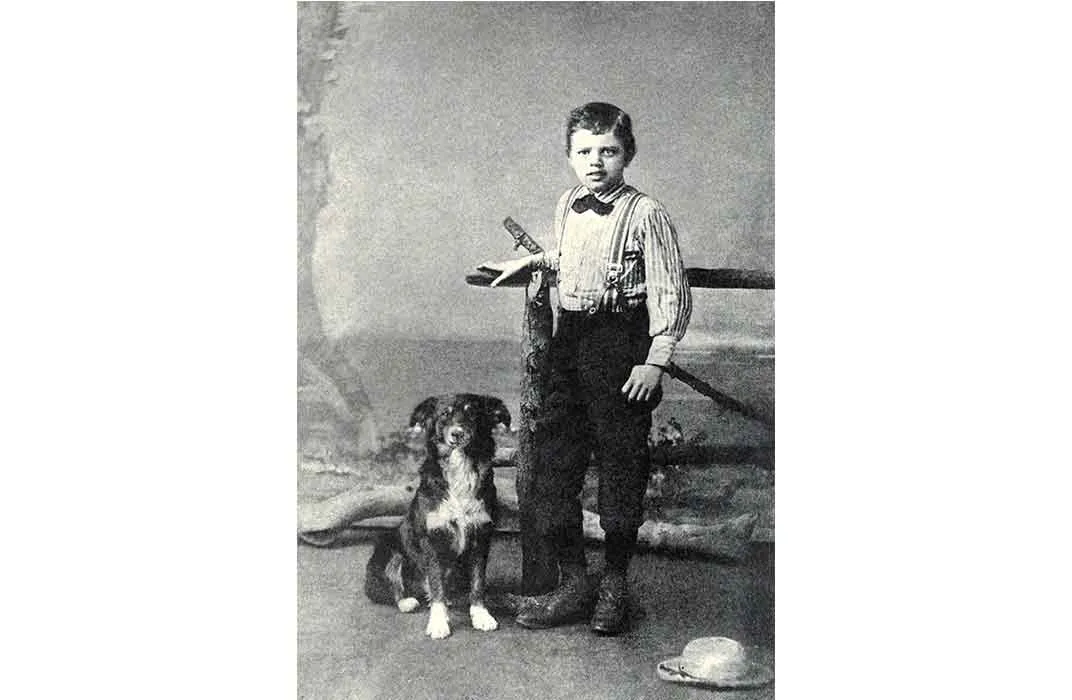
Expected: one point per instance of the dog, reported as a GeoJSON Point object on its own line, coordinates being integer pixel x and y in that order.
{"type": "Point", "coordinates": [445, 536]}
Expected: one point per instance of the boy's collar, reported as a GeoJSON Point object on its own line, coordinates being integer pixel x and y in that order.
{"type": "Point", "coordinates": [606, 197]}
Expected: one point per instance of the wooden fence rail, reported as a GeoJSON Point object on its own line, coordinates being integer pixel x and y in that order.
{"type": "Point", "coordinates": [699, 277]}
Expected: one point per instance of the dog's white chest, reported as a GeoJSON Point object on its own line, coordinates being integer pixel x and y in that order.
{"type": "Point", "coordinates": [460, 511]}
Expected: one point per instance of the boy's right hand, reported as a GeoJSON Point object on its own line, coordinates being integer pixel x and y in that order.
{"type": "Point", "coordinates": [505, 270]}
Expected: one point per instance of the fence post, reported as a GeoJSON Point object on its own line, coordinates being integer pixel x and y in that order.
{"type": "Point", "coordinates": [539, 568]}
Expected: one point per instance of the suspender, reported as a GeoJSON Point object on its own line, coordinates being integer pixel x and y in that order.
{"type": "Point", "coordinates": [563, 210]}
{"type": "Point", "coordinates": [610, 301]}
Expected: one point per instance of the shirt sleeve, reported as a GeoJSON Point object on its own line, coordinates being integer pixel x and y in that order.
{"type": "Point", "coordinates": [547, 260]}
{"type": "Point", "coordinates": [669, 297]}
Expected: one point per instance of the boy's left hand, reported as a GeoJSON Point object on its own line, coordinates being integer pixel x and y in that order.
{"type": "Point", "coordinates": [642, 382]}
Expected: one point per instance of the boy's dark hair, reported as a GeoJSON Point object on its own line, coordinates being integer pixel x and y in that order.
{"type": "Point", "coordinates": [600, 118]}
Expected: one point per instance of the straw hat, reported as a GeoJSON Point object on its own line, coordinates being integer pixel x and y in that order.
{"type": "Point", "coordinates": [717, 662]}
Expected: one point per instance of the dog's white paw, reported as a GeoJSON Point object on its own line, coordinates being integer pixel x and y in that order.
{"type": "Point", "coordinates": [438, 622]}
{"type": "Point", "coordinates": [482, 619]}
{"type": "Point", "coordinates": [407, 605]}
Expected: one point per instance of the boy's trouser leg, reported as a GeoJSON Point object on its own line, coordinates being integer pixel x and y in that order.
{"type": "Point", "coordinates": [624, 467]}
{"type": "Point", "coordinates": [563, 455]}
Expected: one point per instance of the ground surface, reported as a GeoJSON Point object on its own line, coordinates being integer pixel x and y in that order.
{"type": "Point", "coordinates": [351, 648]}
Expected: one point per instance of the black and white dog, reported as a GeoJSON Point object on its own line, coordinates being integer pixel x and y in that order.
{"type": "Point", "coordinates": [446, 535]}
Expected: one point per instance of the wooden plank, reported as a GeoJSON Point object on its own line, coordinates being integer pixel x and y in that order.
{"type": "Point", "coordinates": [722, 399]}
{"type": "Point", "coordinates": [729, 278]}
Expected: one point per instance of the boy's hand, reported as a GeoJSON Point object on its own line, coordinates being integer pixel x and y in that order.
{"type": "Point", "coordinates": [642, 382]}
{"type": "Point", "coordinates": [505, 269]}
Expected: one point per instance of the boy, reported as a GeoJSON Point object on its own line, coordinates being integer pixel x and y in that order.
{"type": "Point", "coordinates": [621, 315]}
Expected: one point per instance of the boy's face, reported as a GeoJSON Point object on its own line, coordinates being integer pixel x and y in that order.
{"type": "Point", "coordinates": [598, 160]}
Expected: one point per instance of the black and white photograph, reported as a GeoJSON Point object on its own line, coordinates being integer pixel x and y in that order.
{"type": "Point", "coordinates": [514, 378]}
{"type": "Point", "coordinates": [535, 350]}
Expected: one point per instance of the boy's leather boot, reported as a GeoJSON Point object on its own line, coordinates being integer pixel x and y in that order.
{"type": "Point", "coordinates": [570, 602]}
{"type": "Point", "coordinates": [611, 615]}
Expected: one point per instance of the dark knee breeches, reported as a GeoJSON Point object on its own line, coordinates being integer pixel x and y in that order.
{"type": "Point", "coordinates": [586, 415]}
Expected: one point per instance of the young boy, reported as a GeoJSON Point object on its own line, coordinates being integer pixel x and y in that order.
{"type": "Point", "coordinates": [621, 315]}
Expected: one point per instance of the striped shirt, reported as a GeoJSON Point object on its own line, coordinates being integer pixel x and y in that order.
{"type": "Point", "coordinates": [652, 274]}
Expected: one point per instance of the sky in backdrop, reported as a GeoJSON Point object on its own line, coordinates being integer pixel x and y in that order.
{"type": "Point", "coordinates": [445, 118]}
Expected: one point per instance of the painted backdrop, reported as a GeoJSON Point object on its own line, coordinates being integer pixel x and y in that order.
{"type": "Point", "coordinates": [444, 118]}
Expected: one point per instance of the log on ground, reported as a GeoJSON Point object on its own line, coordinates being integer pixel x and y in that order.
{"type": "Point", "coordinates": [320, 522]}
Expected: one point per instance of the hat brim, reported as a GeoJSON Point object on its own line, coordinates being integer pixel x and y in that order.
{"type": "Point", "coordinates": [756, 675]}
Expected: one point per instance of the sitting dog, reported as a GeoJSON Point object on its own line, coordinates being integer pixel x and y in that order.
{"type": "Point", "coordinates": [446, 534]}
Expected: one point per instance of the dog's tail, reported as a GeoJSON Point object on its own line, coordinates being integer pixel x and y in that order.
{"type": "Point", "coordinates": [383, 573]}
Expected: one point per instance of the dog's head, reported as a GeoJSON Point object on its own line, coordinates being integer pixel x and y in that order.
{"type": "Point", "coordinates": [460, 420]}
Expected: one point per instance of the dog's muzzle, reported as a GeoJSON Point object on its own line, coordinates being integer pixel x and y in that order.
{"type": "Point", "coordinates": [457, 436]}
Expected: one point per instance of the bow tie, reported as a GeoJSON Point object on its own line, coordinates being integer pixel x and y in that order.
{"type": "Point", "coordinates": [589, 201]}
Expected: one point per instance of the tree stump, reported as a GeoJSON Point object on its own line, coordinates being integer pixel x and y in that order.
{"type": "Point", "coordinates": [539, 570]}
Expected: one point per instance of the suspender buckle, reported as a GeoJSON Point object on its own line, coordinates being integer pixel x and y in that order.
{"type": "Point", "coordinates": [614, 271]}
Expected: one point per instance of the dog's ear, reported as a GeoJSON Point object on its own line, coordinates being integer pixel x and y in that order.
{"type": "Point", "coordinates": [496, 410]}
{"type": "Point", "coordinates": [424, 412]}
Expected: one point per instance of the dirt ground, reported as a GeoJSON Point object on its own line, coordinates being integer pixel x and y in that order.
{"type": "Point", "coordinates": [351, 648]}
